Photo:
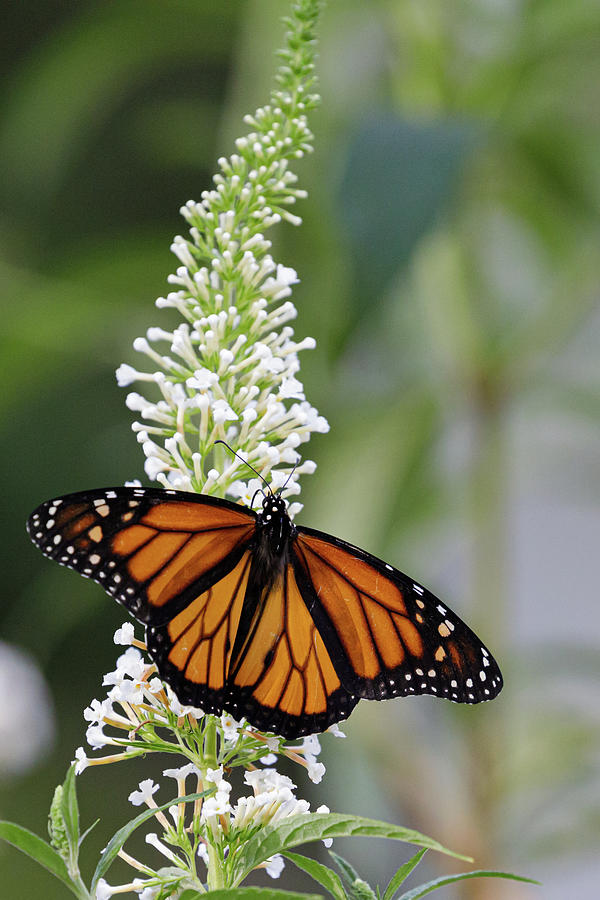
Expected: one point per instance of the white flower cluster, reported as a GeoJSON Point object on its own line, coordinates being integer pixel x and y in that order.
{"type": "Point", "coordinates": [135, 699]}
{"type": "Point", "coordinates": [229, 371]}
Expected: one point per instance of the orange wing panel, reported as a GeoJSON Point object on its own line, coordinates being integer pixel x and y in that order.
{"type": "Point", "coordinates": [285, 660]}
{"type": "Point", "coordinates": [201, 553]}
{"type": "Point", "coordinates": [171, 516]}
{"type": "Point", "coordinates": [199, 633]}
{"type": "Point", "coordinates": [359, 573]}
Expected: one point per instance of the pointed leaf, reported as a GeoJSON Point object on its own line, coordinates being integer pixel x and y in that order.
{"type": "Point", "coordinates": [314, 827]}
{"type": "Point", "coordinates": [37, 849]}
{"type": "Point", "coordinates": [349, 873]}
{"type": "Point", "coordinates": [119, 838]}
{"type": "Point", "coordinates": [326, 877]}
{"type": "Point", "coordinates": [402, 874]}
{"type": "Point", "coordinates": [70, 811]}
{"type": "Point", "coordinates": [87, 831]}
{"type": "Point", "coordinates": [423, 889]}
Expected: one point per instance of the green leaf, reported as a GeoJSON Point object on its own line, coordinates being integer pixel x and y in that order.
{"type": "Point", "coordinates": [423, 889]}
{"type": "Point", "coordinates": [119, 838]}
{"type": "Point", "coordinates": [248, 892]}
{"type": "Point", "coordinates": [402, 874]}
{"type": "Point", "coordinates": [357, 887]}
{"type": "Point", "coordinates": [37, 849]}
{"type": "Point", "coordinates": [311, 827]}
{"type": "Point", "coordinates": [70, 812]}
{"type": "Point", "coordinates": [87, 831]}
{"type": "Point", "coordinates": [349, 873]}
{"type": "Point", "coordinates": [400, 177]}
{"type": "Point", "coordinates": [326, 877]}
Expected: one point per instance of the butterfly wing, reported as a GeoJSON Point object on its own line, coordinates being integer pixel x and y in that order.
{"type": "Point", "coordinates": [258, 655]}
{"type": "Point", "coordinates": [388, 636]}
{"type": "Point", "coordinates": [153, 550]}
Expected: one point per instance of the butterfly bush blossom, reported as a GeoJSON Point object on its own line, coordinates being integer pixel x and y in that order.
{"type": "Point", "coordinates": [140, 715]}
{"type": "Point", "coordinates": [227, 372]}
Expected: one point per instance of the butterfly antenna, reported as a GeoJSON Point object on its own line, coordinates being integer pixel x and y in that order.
{"type": "Point", "coordinates": [283, 487]}
{"type": "Point", "coordinates": [258, 491]}
{"type": "Point", "coordinates": [246, 463]}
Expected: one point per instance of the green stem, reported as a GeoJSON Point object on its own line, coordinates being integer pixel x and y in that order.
{"type": "Point", "coordinates": [216, 873]}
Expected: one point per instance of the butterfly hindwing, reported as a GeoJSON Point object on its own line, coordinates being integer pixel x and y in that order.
{"type": "Point", "coordinates": [397, 638]}
{"type": "Point", "coordinates": [151, 550]}
{"type": "Point", "coordinates": [250, 646]}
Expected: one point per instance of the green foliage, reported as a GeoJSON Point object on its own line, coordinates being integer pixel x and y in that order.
{"type": "Point", "coordinates": [38, 850]}
{"type": "Point", "coordinates": [356, 888]}
{"type": "Point", "coordinates": [402, 874]}
{"type": "Point", "coordinates": [115, 844]}
{"type": "Point", "coordinates": [63, 860]}
{"type": "Point", "coordinates": [266, 843]}
{"type": "Point", "coordinates": [301, 829]}
{"type": "Point", "coordinates": [323, 874]}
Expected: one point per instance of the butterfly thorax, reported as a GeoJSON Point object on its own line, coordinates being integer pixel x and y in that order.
{"type": "Point", "coordinates": [274, 530]}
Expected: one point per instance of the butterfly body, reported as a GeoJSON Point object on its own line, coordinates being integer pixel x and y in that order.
{"type": "Point", "coordinates": [247, 613]}
{"type": "Point", "coordinates": [274, 530]}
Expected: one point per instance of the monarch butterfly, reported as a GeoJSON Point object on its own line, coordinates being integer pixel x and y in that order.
{"type": "Point", "coordinates": [248, 613]}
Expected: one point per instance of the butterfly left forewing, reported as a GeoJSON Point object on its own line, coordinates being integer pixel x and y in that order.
{"type": "Point", "coordinates": [153, 550]}
{"type": "Point", "coordinates": [396, 637]}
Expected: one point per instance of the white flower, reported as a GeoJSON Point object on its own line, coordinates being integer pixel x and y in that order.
{"type": "Point", "coordinates": [145, 793]}
{"type": "Point", "coordinates": [311, 745]}
{"type": "Point", "coordinates": [222, 412]}
{"type": "Point", "coordinates": [202, 379]}
{"type": "Point", "coordinates": [268, 760]}
{"type": "Point", "coordinates": [126, 375]}
{"type": "Point", "coordinates": [97, 711]}
{"type": "Point", "coordinates": [215, 806]}
{"type": "Point", "coordinates": [214, 775]}
{"type": "Point", "coordinates": [336, 731]}
{"type": "Point", "coordinates": [179, 709]}
{"type": "Point", "coordinates": [150, 893]}
{"type": "Point", "coordinates": [103, 890]}
{"type": "Point", "coordinates": [129, 664]}
{"type": "Point", "coordinates": [231, 727]}
{"type": "Point", "coordinates": [324, 810]}
{"type": "Point", "coordinates": [154, 841]}
{"type": "Point", "coordinates": [182, 772]}
{"type": "Point", "coordinates": [125, 634]}
{"type": "Point", "coordinates": [81, 761]}
{"type": "Point", "coordinates": [96, 737]}
{"type": "Point", "coordinates": [274, 865]}
{"type": "Point", "coordinates": [316, 770]}
{"type": "Point", "coordinates": [291, 388]}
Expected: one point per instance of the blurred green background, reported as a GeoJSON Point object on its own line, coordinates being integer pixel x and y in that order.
{"type": "Point", "coordinates": [450, 272]}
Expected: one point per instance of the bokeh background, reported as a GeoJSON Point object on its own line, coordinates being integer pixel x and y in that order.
{"type": "Point", "coordinates": [450, 273]}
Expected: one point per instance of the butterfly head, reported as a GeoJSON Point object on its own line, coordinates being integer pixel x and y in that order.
{"type": "Point", "coordinates": [273, 507]}
{"type": "Point", "coordinates": [275, 523]}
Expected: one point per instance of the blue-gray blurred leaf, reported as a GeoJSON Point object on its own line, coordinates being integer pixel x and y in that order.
{"type": "Point", "coordinates": [399, 177]}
